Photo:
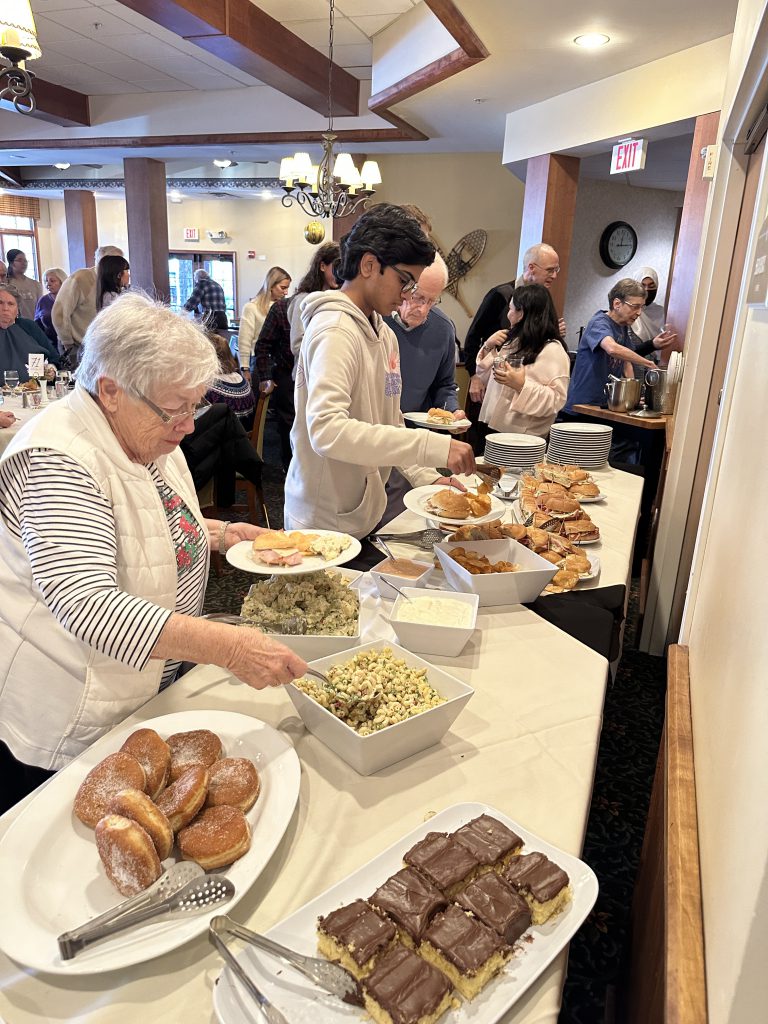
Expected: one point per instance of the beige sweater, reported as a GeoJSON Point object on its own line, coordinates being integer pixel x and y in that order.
{"type": "Point", "coordinates": [75, 307]}
{"type": "Point", "coordinates": [349, 431]}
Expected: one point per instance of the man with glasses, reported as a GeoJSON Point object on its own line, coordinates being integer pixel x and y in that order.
{"type": "Point", "coordinates": [426, 340]}
{"type": "Point", "coordinates": [607, 345]}
{"type": "Point", "coordinates": [349, 431]}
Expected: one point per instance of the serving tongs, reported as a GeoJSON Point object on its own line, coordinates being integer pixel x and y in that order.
{"type": "Point", "coordinates": [326, 975]}
{"type": "Point", "coordinates": [200, 894]}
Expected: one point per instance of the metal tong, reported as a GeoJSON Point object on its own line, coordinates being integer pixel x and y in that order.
{"type": "Point", "coordinates": [195, 897]}
{"type": "Point", "coordinates": [329, 976]}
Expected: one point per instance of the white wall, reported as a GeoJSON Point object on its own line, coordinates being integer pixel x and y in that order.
{"type": "Point", "coordinates": [461, 192]}
{"type": "Point", "coordinates": [651, 212]}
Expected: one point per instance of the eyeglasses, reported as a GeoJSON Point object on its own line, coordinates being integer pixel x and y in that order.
{"type": "Point", "coordinates": [408, 282]}
{"type": "Point", "coordinates": [421, 300]}
{"type": "Point", "coordinates": [548, 270]}
{"type": "Point", "coordinates": [173, 417]}
{"type": "Point", "coordinates": [633, 305]}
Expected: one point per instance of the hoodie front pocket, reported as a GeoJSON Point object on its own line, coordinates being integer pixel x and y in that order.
{"type": "Point", "coordinates": [369, 510]}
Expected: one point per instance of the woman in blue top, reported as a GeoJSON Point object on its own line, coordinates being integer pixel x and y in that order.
{"type": "Point", "coordinates": [607, 345]}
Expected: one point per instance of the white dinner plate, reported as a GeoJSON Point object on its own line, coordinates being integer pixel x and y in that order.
{"type": "Point", "coordinates": [420, 419]}
{"type": "Point", "coordinates": [588, 500]}
{"type": "Point", "coordinates": [594, 572]}
{"type": "Point", "coordinates": [416, 499]}
{"type": "Point", "coordinates": [241, 556]}
{"type": "Point", "coordinates": [303, 1003]}
{"type": "Point", "coordinates": [519, 516]}
{"type": "Point", "coordinates": [58, 882]}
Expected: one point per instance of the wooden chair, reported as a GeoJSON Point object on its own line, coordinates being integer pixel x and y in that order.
{"type": "Point", "coordinates": [253, 492]}
{"type": "Point", "coordinates": [462, 383]}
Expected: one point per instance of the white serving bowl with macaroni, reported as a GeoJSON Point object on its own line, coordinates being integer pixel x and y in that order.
{"type": "Point", "coordinates": [428, 720]}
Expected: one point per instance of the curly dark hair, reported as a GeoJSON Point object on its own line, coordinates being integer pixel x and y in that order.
{"type": "Point", "coordinates": [313, 280]}
{"type": "Point", "coordinates": [392, 235]}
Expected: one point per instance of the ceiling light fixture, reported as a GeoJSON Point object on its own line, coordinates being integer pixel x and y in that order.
{"type": "Point", "coordinates": [334, 187]}
{"type": "Point", "coordinates": [225, 163]}
{"type": "Point", "coordinates": [591, 40]}
{"type": "Point", "coordinates": [175, 196]}
{"type": "Point", "coordinates": [18, 43]}
{"type": "Point", "coordinates": [62, 167]}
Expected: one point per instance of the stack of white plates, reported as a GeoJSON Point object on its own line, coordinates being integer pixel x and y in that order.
{"type": "Point", "coordinates": [583, 444]}
{"type": "Point", "coordinates": [514, 451]}
{"type": "Point", "coordinates": [675, 367]}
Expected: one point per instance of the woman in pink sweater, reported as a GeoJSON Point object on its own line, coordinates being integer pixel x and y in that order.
{"type": "Point", "coordinates": [525, 369]}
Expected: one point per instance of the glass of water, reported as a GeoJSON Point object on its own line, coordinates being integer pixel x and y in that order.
{"type": "Point", "coordinates": [515, 362]}
{"type": "Point", "coordinates": [11, 378]}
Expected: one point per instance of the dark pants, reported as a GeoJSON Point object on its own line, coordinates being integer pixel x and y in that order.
{"type": "Point", "coordinates": [18, 779]}
{"type": "Point", "coordinates": [285, 413]}
{"type": "Point", "coordinates": [220, 448]}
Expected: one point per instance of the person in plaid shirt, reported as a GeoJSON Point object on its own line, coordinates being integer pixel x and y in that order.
{"type": "Point", "coordinates": [208, 299]}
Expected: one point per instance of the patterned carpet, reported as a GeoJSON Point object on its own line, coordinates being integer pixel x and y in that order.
{"type": "Point", "coordinates": [632, 723]}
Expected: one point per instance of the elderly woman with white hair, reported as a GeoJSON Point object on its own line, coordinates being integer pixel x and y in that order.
{"type": "Point", "coordinates": [103, 550]}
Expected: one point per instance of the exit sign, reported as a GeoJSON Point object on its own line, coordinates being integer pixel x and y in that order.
{"type": "Point", "coordinates": [191, 235]}
{"type": "Point", "coordinates": [629, 155]}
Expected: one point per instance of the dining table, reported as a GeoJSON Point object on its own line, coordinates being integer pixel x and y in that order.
{"type": "Point", "coordinates": [14, 404]}
{"type": "Point", "coordinates": [526, 744]}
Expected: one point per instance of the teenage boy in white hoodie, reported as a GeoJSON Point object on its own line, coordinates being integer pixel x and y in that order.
{"type": "Point", "coordinates": [349, 431]}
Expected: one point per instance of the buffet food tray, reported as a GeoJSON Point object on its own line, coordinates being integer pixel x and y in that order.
{"type": "Point", "coordinates": [303, 1003]}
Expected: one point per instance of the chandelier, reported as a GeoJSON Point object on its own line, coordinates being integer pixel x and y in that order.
{"type": "Point", "coordinates": [18, 43]}
{"type": "Point", "coordinates": [334, 187]}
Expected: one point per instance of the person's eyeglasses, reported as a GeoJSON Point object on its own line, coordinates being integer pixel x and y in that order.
{"type": "Point", "coordinates": [633, 305]}
{"type": "Point", "coordinates": [408, 281]}
{"type": "Point", "coordinates": [548, 270]}
{"type": "Point", "coordinates": [415, 299]}
{"type": "Point", "coordinates": [173, 417]}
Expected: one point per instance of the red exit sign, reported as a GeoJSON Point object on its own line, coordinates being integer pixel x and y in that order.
{"type": "Point", "coordinates": [629, 155]}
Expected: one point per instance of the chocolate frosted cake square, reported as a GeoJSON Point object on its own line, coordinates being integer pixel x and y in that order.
{"type": "Point", "coordinates": [443, 861]}
{"type": "Point", "coordinates": [403, 989]}
{"type": "Point", "coordinates": [489, 840]}
{"type": "Point", "coordinates": [542, 884]}
{"type": "Point", "coordinates": [464, 949]}
{"type": "Point", "coordinates": [493, 902]}
{"type": "Point", "coordinates": [355, 936]}
{"type": "Point", "coordinates": [411, 901]}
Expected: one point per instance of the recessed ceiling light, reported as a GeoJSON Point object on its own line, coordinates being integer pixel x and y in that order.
{"type": "Point", "coordinates": [591, 40]}
{"type": "Point", "coordinates": [62, 167]}
{"type": "Point", "coordinates": [175, 196]}
{"type": "Point", "coordinates": [225, 163]}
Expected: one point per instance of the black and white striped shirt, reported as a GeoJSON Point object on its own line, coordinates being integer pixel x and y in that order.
{"type": "Point", "coordinates": [67, 526]}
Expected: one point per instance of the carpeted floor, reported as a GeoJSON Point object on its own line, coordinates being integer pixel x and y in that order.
{"type": "Point", "coordinates": [632, 723]}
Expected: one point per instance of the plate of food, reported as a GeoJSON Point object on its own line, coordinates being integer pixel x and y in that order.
{"type": "Point", "coordinates": [60, 880]}
{"type": "Point", "coordinates": [438, 419]}
{"type": "Point", "coordinates": [281, 553]}
{"type": "Point", "coordinates": [573, 570]}
{"type": "Point", "coordinates": [452, 506]}
{"type": "Point", "coordinates": [496, 904]}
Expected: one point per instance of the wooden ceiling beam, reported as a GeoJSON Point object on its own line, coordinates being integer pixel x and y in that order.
{"type": "Point", "coordinates": [349, 135]}
{"type": "Point", "coordinates": [57, 105]}
{"type": "Point", "coordinates": [246, 37]}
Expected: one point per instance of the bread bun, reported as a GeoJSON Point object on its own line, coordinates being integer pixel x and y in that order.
{"type": "Point", "coordinates": [439, 416]}
{"type": "Point", "coordinates": [181, 801]}
{"type": "Point", "coordinates": [449, 503]}
{"type": "Point", "coordinates": [218, 836]}
{"type": "Point", "coordinates": [133, 804]}
{"type": "Point", "coordinates": [198, 746]}
{"type": "Point", "coordinates": [154, 756]}
{"type": "Point", "coordinates": [117, 771]}
{"type": "Point", "coordinates": [127, 853]}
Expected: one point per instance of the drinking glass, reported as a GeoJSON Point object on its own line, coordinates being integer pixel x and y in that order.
{"type": "Point", "coordinates": [11, 379]}
{"type": "Point", "coordinates": [515, 362]}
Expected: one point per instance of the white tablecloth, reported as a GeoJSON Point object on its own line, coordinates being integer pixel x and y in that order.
{"type": "Point", "coordinates": [526, 743]}
{"type": "Point", "coordinates": [13, 404]}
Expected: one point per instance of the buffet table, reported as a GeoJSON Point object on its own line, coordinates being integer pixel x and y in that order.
{"type": "Point", "coordinates": [526, 743]}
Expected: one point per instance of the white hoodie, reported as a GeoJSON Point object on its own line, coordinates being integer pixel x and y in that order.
{"type": "Point", "coordinates": [349, 431]}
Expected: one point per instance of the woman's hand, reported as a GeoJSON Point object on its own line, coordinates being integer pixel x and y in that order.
{"type": "Point", "coordinates": [476, 389]}
{"type": "Point", "coordinates": [259, 661]}
{"type": "Point", "coordinates": [510, 376]}
{"type": "Point", "coordinates": [496, 340]}
{"type": "Point", "coordinates": [7, 419]}
{"type": "Point", "coordinates": [242, 531]}
{"type": "Point", "coordinates": [450, 481]}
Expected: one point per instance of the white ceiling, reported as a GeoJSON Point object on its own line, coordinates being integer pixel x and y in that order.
{"type": "Point", "coordinates": [532, 57]}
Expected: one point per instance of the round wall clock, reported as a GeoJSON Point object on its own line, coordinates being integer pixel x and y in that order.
{"type": "Point", "coordinates": [618, 244]}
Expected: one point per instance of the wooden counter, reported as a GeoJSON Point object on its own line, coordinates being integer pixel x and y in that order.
{"type": "Point", "coordinates": [627, 419]}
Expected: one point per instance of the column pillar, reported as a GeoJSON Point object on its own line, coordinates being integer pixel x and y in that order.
{"type": "Point", "coordinates": [82, 232]}
{"type": "Point", "coordinates": [147, 212]}
{"type": "Point", "coordinates": [686, 255]}
{"type": "Point", "coordinates": [549, 206]}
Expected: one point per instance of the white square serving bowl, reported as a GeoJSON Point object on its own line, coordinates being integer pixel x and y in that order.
{"type": "Point", "coordinates": [498, 587]}
{"type": "Point", "coordinates": [369, 754]}
{"type": "Point", "coordinates": [425, 638]}
{"type": "Point", "coordinates": [399, 581]}
{"type": "Point", "coordinates": [309, 646]}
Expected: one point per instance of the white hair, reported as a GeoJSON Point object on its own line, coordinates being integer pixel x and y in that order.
{"type": "Point", "coordinates": [55, 272]}
{"type": "Point", "coordinates": [141, 344]}
{"type": "Point", "coordinates": [107, 250]}
{"type": "Point", "coordinates": [200, 275]}
{"type": "Point", "coordinates": [434, 278]}
{"type": "Point", "coordinates": [536, 252]}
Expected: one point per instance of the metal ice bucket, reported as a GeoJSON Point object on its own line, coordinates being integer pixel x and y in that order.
{"type": "Point", "coordinates": [662, 392]}
{"type": "Point", "coordinates": [623, 394]}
